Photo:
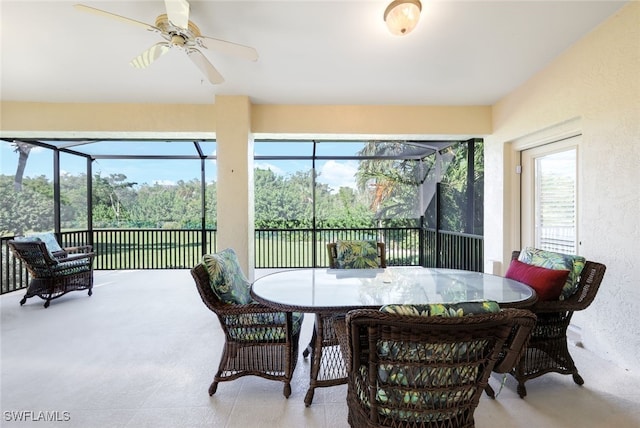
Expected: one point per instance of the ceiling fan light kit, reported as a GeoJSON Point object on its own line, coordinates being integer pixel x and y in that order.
{"type": "Point", "coordinates": [179, 32]}
{"type": "Point", "coordinates": [401, 16]}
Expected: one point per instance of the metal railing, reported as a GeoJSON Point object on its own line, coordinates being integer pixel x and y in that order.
{"type": "Point", "coordinates": [118, 249]}
{"type": "Point", "coordinates": [13, 275]}
{"type": "Point", "coordinates": [123, 249]}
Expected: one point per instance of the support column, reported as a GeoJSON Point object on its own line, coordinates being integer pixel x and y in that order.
{"type": "Point", "coordinates": [235, 179]}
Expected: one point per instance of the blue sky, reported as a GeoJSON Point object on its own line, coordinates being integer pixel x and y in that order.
{"type": "Point", "coordinates": [335, 173]}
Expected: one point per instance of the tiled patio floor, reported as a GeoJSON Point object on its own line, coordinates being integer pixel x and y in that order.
{"type": "Point", "coordinates": [142, 351]}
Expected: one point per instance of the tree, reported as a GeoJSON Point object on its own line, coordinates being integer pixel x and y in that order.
{"type": "Point", "coordinates": [111, 196]}
{"type": "Point", "coordinates": [23, 150]}
{"type": "Point", "coordinates": [28, 210]}
{"type": "Point", "coordinates": [73, 201]}
{"type": "Point", "coordinates": [392, 184]}
{"type": "Point", "coordinates": [454, 195]}
{"type": "Point", "coordinates": [282, 202]}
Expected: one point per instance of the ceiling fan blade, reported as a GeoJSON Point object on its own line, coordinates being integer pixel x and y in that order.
{"type": "Point", "coordinates": [95, 11]}
{"type": "Point", "coordinates": [178, 12]}
{"type": "Point", "coordinates": [145, 59]}
{"type": "Point", "coordinates": [229, 48]}
{"type": "Point", "coordinates": [205, 66]}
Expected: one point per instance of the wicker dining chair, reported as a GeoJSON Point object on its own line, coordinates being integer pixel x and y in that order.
{"type": "Point", "coordinates": [259, 340]}
{"type": "Point", "coordinates": [369, 254]}
{"type": "Point", "coordinates": [54, 271]}
{"type": "Point", "coordinates": [353, 254]}
{"type": "Point", "coordinates": [547, 350]}
{"type": "Point", "coordinates": [408, 370]}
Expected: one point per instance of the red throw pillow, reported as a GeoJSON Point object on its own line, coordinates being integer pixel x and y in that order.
{"type": "Point", "coordinates": [548, 283]}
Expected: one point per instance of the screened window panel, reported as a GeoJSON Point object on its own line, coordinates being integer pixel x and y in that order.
{"type": "Point", "coordinates": [555, 202]}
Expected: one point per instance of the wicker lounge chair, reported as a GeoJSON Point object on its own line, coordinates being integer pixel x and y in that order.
{"type": "Point", "coordinates": [547, 350]}
{"type": "Point", "coordinates": [259, 340]}
{"type": "Point", "coordinates": [423, 371]}
{"type": "Point", "coordinates": [54, 272]}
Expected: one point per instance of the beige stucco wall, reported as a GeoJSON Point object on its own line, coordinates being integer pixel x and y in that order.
{"type": "Point", "coordinates": [595, 87]}
{"type": "Point", "coordinates": [79, 119]}
{"type": "Point", "coordinates": [29, 118]}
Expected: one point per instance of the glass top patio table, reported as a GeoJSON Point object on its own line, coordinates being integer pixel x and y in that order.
{"type": "Point", "coordinates": [329, 292]}
{"type": "Point", "coordinates": [323, 290]}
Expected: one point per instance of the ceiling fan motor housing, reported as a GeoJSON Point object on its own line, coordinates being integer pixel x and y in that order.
{"type": "Point", "coordinates": [177, 36]}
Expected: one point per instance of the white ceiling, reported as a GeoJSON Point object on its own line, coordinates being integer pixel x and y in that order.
{"type": "Point", "coordinates": [310, 52]}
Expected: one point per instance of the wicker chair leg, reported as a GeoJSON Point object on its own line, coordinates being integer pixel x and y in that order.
{"type": "Point", "coordinates": [578, 379]}
{"type": "Point", "coordinates": [286, 390]}
{"type": "Point", "coordinates": [90, 292]}
{"type": "Point", "coordinates": [522, 391]}
{"type": "Point", "coordinates": [308, 399]}
{"type": "Point", "coordinates": [213, 388]}
{"type": "Point", "coordinates": [23, 301]}
{"type": "Point", "coordinates": [490, 392]}
{"type": "Point", "coordinates": [47, 303]}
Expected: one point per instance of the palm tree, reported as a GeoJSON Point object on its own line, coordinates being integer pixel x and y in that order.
{"type": "Point", "coordinates": [385, 177]}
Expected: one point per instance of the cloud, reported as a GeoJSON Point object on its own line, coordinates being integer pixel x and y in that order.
{"type": "Point", "coordinates": [164, 182]}
{"type": "Point", "coordinates": [338, 174]}
{"type": "Point", "coordinates": [265, 165]}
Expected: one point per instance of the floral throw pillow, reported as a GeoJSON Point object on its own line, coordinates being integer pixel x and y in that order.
{"type": "Point", "coordinates": [226, 277]}
{"type": "Point", "coordinates": [558, 261]}
{"type": "Point", "coordinates": [357, 255]}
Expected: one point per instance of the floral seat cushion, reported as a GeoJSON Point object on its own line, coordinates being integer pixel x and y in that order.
{"type": "Point", "coordinates": [357, 255]}
{"type": "Point", "coordinates": [259, 327]}
{"type": "Point", "coordinates": [226, 277]}
{"type": "Point", "coordinates": [444, 310]}
{"type": "Point", "coordinates": [557, 261]}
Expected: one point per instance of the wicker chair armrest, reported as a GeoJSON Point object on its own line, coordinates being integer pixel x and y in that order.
{"type": "Point", "coordinates": [251, 308]}
{"type": "Point", "coordinates": [79, 249]}
{"type": "Point", "coordinates": [517, 341]}
{"type": "Point", "coordinates": [67, 251]}
{"type": "Point", "coordinates": [78, 256]}
{"type": "Point", "coordinates": [589, 282]}
{"type": "Point", "coordinates": [59, 255]}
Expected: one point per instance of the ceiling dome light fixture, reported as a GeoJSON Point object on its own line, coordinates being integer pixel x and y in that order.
{"type": "Point", "coordinates": [402, 16]}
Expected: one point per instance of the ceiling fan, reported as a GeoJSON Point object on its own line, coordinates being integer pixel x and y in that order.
{"type": "Point", "coordinates": [178, 32]}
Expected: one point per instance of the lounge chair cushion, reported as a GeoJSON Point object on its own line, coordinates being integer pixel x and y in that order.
{"type": "Point", "coordinates": [357, 254]}
{"type": "Point", "coordinates": [226, 277]}
{"type": "Point", "coordinates": [558, 261]}
{"type": "Point", "coordinates": [48, 238]}
{"type": "Point", "coordinates": [548, 283]}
